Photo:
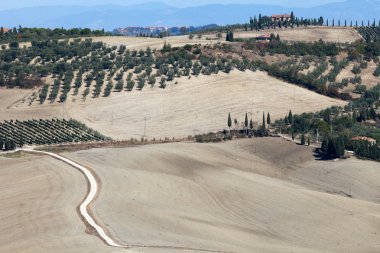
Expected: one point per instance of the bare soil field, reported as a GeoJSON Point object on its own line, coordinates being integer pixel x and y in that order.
{"type": "Point", "coordinates": [39, 197]}
{"type": "Point", "coordinates": [138, 43]}
{"type": "Point", "coordinates": [310, 34]}
{"type": "Point", "coordinates": [197, 105]}
{"type": "Point", "coordinates": [275, 198]}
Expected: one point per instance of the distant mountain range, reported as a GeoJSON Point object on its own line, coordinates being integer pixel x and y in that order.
{"type": "Point", "coordinates": [158, 14]}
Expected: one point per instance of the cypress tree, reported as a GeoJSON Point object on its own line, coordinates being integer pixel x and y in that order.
{"type": "Point", "coordinates": [264, 124]}
{"type": "Point", "coordinates": [251, 124]}
{"type": "Point", "coordinates": [290, 117]}
{"type": "Point", "coordinates": [229, 121]}
{"type": "Point", "coordinates": [246, 122]}
{"type": "Point", "coordinates": [303, 139]}
{"type": "Point", "coordinates": [292, 17]}
{"type": "Point", "coordinates": [268, 119]}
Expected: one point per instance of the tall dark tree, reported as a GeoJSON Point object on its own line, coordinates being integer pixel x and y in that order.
{"type": "Point", "coordinates": [290, 117]}
{"type": "Point", "coordinates": [229, 121]}
{"type": "Point", "coordinates": [251, 124]}
{"type": "Point", "coordinates": [303, 139]}
{"type": "Point", "coordinates": [264, 124]}
{"type": "Point", "coordinates": [268, 119]}
{"type": "Point", "coordinates": [292, 18]}
{"type": "Point", "coordinates": [246, 123]}
{"type": "Point", "coordinates": [230, 36]}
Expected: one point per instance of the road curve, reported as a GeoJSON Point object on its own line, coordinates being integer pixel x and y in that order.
{"type": "Point", "coordinates": [90, 197]}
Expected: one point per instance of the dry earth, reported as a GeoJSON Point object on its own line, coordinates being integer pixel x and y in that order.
{"type": "Point", "coordinates": [274, 199]}
{"type": "Point", "coordinates": [197, 105]}
{"type": "Point", "coordinates": [331, 34]}
{"type": "Point", "coordinates": [154, 43]}
{"type": "Point", "coordinates": [39, 197]}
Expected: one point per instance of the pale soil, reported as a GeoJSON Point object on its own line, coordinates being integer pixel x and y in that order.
{"type": "Point", "coordinates": [154, 43]}
{"type": "Point", "coordinates": [368, 79]}
{"type": "Point", "coordinates": [310, 34]}
{"type": "Point", "coordinates": [39, 197]}
{"type": "Point", "coordinates": [274, 200]}
{"type": "Point", "coordinates": [143, 43]}
{"type": "Point", "coordinates": [197, 105]}
{"type": "Point", "coordinates": [346, 72]}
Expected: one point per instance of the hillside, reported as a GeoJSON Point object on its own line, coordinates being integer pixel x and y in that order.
{"type": "Point", "coordinates": [310, 34]}
{"type": "Point", "coordinates": [195, 105]}
{"type": "Point", "coordinates": [276, 198]}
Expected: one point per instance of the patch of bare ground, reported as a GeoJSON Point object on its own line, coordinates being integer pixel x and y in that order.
{"type": "Point", "coordinates": [197, 105]}
{"type": "Point", "coordinates": [275, 198]}
{"type": "Point", "coordinates": [309, 34]}
{"type": "Point", "coordinates": [38, 197]}
{"type": "Point", "coordinates": [155, 43]}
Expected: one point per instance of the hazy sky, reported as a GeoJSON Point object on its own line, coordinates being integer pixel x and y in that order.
{"type": "Point", "coordinates": [9, 4]}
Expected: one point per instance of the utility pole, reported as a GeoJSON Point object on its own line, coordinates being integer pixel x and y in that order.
{"type": "Point", "coordinates": [144, 127]}
{"type": "Point", "coordinates": [317, 135]}
{"type": "Point", "coordinates": [237, 149]}
{"type": "Point", "coordinates": [258, 120]}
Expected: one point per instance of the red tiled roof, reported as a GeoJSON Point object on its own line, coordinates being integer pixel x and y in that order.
{"type": "Point", "coordinates": [281, 16]}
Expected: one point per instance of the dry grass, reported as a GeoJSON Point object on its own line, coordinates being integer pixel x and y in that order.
{"type": "Point", "coordinates": [138, 43]}
{"type": "Point", "coordinates": [274, 200]}
{"type": "Point", "coordinates": [310, 34]}
{"type": "Point", "coordinates": [197, 105]}
{"type": "Point", "coordinates": [38, 197]}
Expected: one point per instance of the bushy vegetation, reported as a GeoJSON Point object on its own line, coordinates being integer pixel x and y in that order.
{"type": "Point", "coordinates": [336, 126]}
{"type": "Point", "coordinates": [45, 132]}
{"type": "Point", "coordinates": [21, 34]}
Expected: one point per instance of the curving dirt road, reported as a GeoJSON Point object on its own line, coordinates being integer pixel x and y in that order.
{"type": "Point", "coordinates": [93, 189]}
{"type": "Point", "coordinates": [84, 207]}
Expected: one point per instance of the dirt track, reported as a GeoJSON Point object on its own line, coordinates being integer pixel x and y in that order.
{"type": "Point", "coordinates": [198, 195]}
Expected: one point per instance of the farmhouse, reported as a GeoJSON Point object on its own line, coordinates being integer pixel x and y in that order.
{"type": "Point", "coordinates": [5, 30]}
{"type": "Point", "coordinates": [281, 17]}
{"type": "Point", "coordinates": [363, 138]}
